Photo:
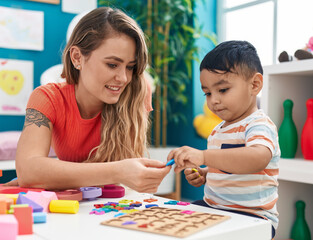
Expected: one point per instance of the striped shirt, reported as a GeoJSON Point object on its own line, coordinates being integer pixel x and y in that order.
{"type": "Point", "coordinates": [255, 193]}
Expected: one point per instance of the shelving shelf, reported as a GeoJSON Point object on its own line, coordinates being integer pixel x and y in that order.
{"type": "Point", "coordinates": [296, 170]}
{"type": "Point", "coordinates": [290, 80]}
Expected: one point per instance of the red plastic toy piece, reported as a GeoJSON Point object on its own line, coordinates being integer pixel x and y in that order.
{"type": "Point", "coordinates": [70, 194]}
{"type": "Point", "coordinates": [17, 190]}
{"type": "Point", "coordinates": [112, 191]}
{"type": "Point", "coordinates": [25, 220]}
{"type": "Point", "coordinates": [307, 132]}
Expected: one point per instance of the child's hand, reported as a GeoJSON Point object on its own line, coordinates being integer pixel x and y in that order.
{"type": "Point", "coordinates": [186, 157]}
{"type": "Point", "coordinates": [195, 177]}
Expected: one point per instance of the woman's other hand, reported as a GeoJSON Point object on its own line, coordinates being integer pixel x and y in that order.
{"type": "Point", "coordinates": [142, 174]}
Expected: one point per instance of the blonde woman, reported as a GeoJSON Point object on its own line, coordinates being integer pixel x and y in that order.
{"type": "Point", "coordinates": [97, 120]}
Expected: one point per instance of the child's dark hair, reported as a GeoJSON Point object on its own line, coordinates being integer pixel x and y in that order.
{"type": "Point", "coordinates": [233, 56]}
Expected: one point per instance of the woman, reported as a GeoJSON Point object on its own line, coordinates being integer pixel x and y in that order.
{"type": "Point", "coordinates": [95, 119]}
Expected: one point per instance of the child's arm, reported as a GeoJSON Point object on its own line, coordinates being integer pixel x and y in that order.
{"type": "Point", "coordinates": [241, 160]}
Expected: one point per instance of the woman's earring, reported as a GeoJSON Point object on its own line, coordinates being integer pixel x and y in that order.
{"type": "Point", "coordinates": [78, 67]}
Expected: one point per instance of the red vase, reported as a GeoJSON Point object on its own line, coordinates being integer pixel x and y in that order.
{"type": "Point", "coordinates": [307, 132]}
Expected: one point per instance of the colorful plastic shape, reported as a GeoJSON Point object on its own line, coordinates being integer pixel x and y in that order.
{"type": "Point", "coordinates": [70, 194]}
{"type": "Point", "coordinates": [17, 190]}
{"type": "Point", "coordinates": [11, 196]}
{"type": "Point", "coordinates": [307, 132]}
{"type": "Point", "coordinates": [0, 173]}
{"type": "Point", "coordinates": [25, 220]}
{"type": "Point", "coordinates": [129, 223]}
{"type": "Point", "coordinates": [112, 191]}
{"type": "Point", "coordinates": [39, 217]}
{"type": "Point", "coordinates": [287, 134]}
{"type": "Point", "coordinates": [64, 206]}
{"type": "Point", "coordinates": [300, 229]}
{"type": "Point", "coordinates": [171, 202]}
{"type": "Point", "coordinates": [150, 200]}
{"type": "Point", "coordinates": [3, 206]}
{"type": "Point", "coordinates": [151, 205]}
{"type": "Point", "coordinates": [9, 201]}
{"type": "Point", "coordinates": [187, 212]}
{"type": "Point", "coordinates": [8, 227]}
{"type": "Point", "coordinates": [170, 162]}
{"type": "Point", "coordinates": [183, 203]}
{"type": "Point", "coordinates": [42, 198]}
{"type": "Point", "coordinates": [119, 214]}
{"type": "Point", "coordinates": [90, 193]}
{"type": "Point", "coordinates": [25, 200]}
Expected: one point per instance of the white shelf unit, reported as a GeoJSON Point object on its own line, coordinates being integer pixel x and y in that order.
{"type": "Point", "coordinates": [290, 80]}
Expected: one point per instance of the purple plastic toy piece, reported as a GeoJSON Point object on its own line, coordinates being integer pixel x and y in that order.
{"type": "Point", "coordinates": [90, 193]}
{"type": "Point", "coordinates": [24, 200]}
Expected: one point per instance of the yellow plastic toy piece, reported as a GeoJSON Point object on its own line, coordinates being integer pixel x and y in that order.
{"type": "Point", "coordinates": [205, 123]}
{"type": "Point", "coordinates": [12, 196]}
{"type": "Point", "coordinates": [64, 206]}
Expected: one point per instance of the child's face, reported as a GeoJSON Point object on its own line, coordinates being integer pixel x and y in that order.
{"type": "Point", "coordinates": [229, 95]}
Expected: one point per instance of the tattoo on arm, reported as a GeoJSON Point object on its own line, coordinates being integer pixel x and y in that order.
{"type": "Point", "coordinates": [35, 117]}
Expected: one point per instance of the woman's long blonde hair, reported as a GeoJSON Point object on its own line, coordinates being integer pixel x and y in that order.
{"type": "Point", "coordinates": [124, 124]}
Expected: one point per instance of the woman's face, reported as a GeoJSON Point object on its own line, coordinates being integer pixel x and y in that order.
{"type": "Point", "coordinates": [107, 71]}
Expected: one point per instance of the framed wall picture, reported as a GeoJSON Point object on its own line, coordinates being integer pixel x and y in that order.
{"type": "Point", "coordinates": [47, 1]}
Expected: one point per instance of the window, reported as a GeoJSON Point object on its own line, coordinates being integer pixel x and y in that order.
{"type": "Point", "coordinates": [272, 26]}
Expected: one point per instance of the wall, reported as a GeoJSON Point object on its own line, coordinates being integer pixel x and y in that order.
{"type": "Point", "coordinates": [184, 133]}
{"type": "Point", "coordinates": [55, 27]}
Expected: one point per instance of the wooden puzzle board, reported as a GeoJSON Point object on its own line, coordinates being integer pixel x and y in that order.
{"type": "Point", "coordinates": [167, 221]}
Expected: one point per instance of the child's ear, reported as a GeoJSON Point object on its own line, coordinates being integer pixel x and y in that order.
{"type": "Point", "coordinates": [257, 83]}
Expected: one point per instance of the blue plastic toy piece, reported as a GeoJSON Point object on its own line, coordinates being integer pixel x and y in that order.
{"type": "Point", "coordinates": [171, 162]}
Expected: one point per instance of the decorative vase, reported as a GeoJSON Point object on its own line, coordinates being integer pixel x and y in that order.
{"type": "Point", "coordinates": [300, 229]}
{"type": "Point", "coordinates": [288, 136]}
{"type": "Point", "coordinates": [307, 132]}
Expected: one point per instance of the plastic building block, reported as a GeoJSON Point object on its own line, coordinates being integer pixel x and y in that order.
{"type": "Point", "coordinates": [112, 191]}
{"type": "Point", "coordinates": [11, 196]}
{"type": "Point", "coordinates": [151, 205]}
{"type": "Point", "coordinates": [70, 194]}
{"type": "Point", "coordinates": [64, 206]}
{"type": "Point", "coordinates": [170, 162]}
{"type": "Point", "coordinates": [17, 190]}
{"type": "Point", "coordinates": [8, 227]}
{"type": "Point", "coordinates": [24, 200]}
{"type": "Point", "coordinates": [3, 206]}
{"type": "Point", "coordinates": [91, 193]}
{"type": "Point", "coordinates": [183, 203]}
{"type": "Point", "coordinates": [42, 198]}
{"type": "Point", "coordinates": [25, 220]}
{"type": "Point", "coordinates": [39, 217]}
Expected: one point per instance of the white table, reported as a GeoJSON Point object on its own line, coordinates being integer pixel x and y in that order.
{"type": "Point", "coordinates": [87, 227]}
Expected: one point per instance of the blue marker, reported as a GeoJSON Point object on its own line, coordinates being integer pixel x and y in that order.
{"type": "Point", "coordinates": [171, 162]}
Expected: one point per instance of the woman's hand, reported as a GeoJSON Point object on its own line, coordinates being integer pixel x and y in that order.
{"type": "Point", "coordinates": [196, 176]}
{"type": "Point", "coordinates": [142, 174]}
{"type": "Point", "coordinates": [186, 157]}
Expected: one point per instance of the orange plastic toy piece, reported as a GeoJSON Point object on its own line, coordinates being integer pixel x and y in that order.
{"type": "Point", "coordinates": [0, 173]}
{"type": "Point", "coordinates": [150, 200]}
{"type": "Point", "coordinates": [3, 206]}
{"type": "Point", "coordinates": [25, 220]}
